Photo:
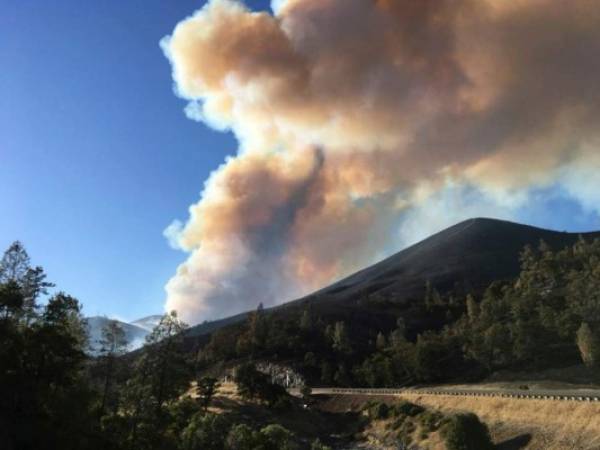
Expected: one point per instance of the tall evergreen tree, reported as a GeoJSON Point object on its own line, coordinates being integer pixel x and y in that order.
{"type": "Point", "coordinates": [45, 399]}
{"type": "Point", "coordinates": [16, 270]}
{"type": "Point", "coordinates": [258, 328]}
{"type": "Point", "coordinates": [206, 388]}
{"type": "Point", "coordinates": [306, 322]}
{"type": "Point", "coordinates": [113, 344]}
{"type": "Point", "coordinates": [161, 374]}
{"type": "Point", "coordinates": [341, 340]}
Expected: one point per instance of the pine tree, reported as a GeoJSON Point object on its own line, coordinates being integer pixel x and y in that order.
{"type": "Point", "coordinates": [14, 264]}
{"type": "Point", "coordinates": [341, 376]}
{"type": "Point", "coordinates": [326, 373]}
{"type": "Point", "coordinates": [472, 308]}
{"type": "Point", "coordinates": [161, 375]}
{"type": "Point", "coordinates": [310, 359]}
{"type": "Point", "coordinates": [432, 297]}
{"type": "Point", "coordinates": [44, 395]}
{"type": "Point", "coordinates": [341, 341]}
{"type": "Point", "coordinates": [380, 343]}
{"type": "Point", "coordinates": [401, 326]}
{"type": "Point", "coordinates": [16, 270]}
{"type": "Point", "coordinates": [113, 344]}
{"type": "Point", "coordinates": [306, 320]}
{"type": "Point", "coordinates": [257, 329]}
{"type": "Point", "coordinates": [206, 388]}
{"type": "Point", "coordinates": [11, 299]}
{"type": "Point", "coordinates": [398, 336]}
{"type": "Point", "coordinates": [428, 300]}
{"type": "Point", "coordinates": [164, 353]}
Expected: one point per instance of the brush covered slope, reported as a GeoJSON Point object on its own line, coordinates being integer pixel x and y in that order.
{"type": "Point", "coordinates": [464, 258]}
{"type": "Point", "coordinates": [481, 296]}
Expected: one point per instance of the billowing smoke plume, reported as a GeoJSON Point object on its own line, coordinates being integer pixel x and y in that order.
{"type": "Point", "coordinates": [361, 122]}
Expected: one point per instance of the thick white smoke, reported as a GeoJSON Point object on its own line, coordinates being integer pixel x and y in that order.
{"type": "Point", "coordinates": [364, 124]}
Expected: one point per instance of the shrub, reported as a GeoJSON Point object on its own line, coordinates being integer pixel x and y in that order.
{"type": "Point", "coordinates": [306, 391]}
{"type": "Point", "coordinates": [379, 411]}
{"type": "Point", "coordinates": [407, 409]}
{"type": "Point", "coordinates": [205, 431]}
{"type": "Point", "coordinates": [250, 382]}
{"type": "Point", "coordinates": [397, 422]}
{"type": "Point", "coordinates": [271, 437]}
{"type": "Point", "coordinates": [241, 437]}
{"type": "Point", "coordinates": [181, 413]}
{"type": "Point", "coordinates": [405, 431]}
{"type": "Point", "coordinates": [277, 437]}
{"type": "Point", "coordinates": [466, 432]}
{"type": "Point", "coordinates": [431, 420]}
{"type": "Point", "coordinates": [317, 445]}
{"type": "Point", "coordinates": [369, 405]}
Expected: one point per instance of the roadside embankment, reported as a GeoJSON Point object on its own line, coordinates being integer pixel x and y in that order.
{"type": "Point", "coordinates": [514, 423]}
{"type": "Point", "coordinates": [551, 424]}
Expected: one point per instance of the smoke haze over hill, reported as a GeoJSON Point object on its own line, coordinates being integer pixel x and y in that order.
{"type": "Point", "coordinates": [365, 124]}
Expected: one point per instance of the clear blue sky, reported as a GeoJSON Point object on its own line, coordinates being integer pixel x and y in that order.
{"type": "Point", "coordinates": [97, 156]}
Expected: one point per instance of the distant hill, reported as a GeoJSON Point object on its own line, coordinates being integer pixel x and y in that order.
{"type": "Point", "coordinates": [466, 257]}
{"type": "Point", "coordinates": [135, 332]}
{"type": "Point", "coordinates": [147, 323]}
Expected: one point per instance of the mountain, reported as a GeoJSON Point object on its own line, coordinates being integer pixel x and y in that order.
{"type": "Point", "coordinates": [464, 258]}
{"type": "Point", "coordinates": [470, 254]}
{"type": "Point", "coordinates": [135, 332]}
{"type": "Point", "coordinates": [147, 323]}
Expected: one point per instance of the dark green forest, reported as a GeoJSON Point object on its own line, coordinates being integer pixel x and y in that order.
{"type": "Point", "coordinates": [55, 395]}
{"type": "Point", "coordinates": [547, 317]}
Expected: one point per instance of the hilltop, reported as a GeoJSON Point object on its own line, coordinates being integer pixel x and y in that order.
{"type": "Point", "coordinates": [470, 255]}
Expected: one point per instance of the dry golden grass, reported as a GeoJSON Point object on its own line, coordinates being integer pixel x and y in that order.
{"type": "Point", "coordinates": [381, 435]}
{"type": "Point", "coordinates": [554, 425]}
{"type": "Point", "coordinates": [228, 389]}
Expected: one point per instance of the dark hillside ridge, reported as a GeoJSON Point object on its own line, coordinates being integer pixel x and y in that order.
{"type": "Point", "coordinates": [466, 257]}
{"type": "Point", "coordinates": [471, 254]}
{"type": "Point", "coordinates": [206, 328]}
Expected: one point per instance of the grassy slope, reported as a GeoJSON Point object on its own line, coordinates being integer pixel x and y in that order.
{"type": "Point", "coordinates": [514, 424]}
{"type": "Point", "coordinates": [551, 425]}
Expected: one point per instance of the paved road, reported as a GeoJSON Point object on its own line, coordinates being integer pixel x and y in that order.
{"type": "Point", "coordinates": [581, 395]}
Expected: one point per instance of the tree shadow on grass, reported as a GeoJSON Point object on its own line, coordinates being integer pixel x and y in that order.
{"type": "Point", "coordinates": [515, 443]}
